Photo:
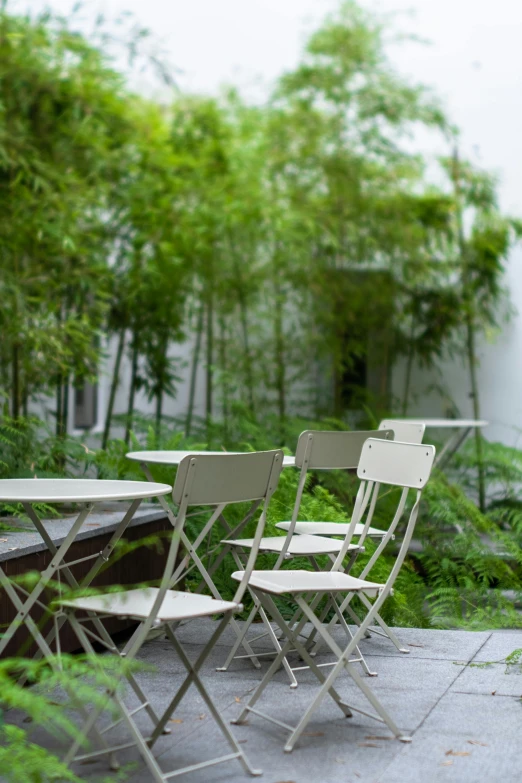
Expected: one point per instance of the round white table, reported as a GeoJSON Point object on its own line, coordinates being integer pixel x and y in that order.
{"type": "Point", "coordinates": [87, 492]}
{"type": "Point", "coordinates": [464, 429]}
{"type": "Point", "coordinates": [175, 457]}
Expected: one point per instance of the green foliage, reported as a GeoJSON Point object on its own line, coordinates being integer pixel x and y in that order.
{"type": "Point", "coordinates": [294, 241]}
{"type": "Point", "coordinates": [44, 707]}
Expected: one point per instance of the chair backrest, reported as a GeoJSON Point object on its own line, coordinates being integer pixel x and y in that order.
{"type": "Point", "coordinates": [404, 465]}
{"type": "Point", "coordinates": [213, 479]}
{"type": "Point", "coordinates": [325, 450]}
{"type": "Point", "coordinates": [218, 480]}
{"type": "Point", "coordinates": [405, 431]}
{"type": "Point", "coordinates": [392, 462]}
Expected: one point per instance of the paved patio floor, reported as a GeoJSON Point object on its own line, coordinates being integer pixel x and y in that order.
{"type": "Point", "coordinates": [465, 721]}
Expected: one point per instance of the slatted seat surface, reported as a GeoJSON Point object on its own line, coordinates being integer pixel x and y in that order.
{"type": "Point", "coordinates": [299, 545]}
{"type": "Point", "coordinates": [330, 529]}
{"type": "Point", "coordinates": [299, 581]}
{"type": "Point", "coordinates": [138, 603]}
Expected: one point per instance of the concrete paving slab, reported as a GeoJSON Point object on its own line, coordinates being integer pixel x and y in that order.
{"type": "Point", "coordinates": [465, 740]}
{"type": "Point", "coordinates": [477, 715]}
{"type": "Point", "coordinates": [428, 643]}
{"type": "Point", "coordinates": [496, 678]}
{"type": "Point", "coordinates": [447, 707]}
{"type": "Point", "coordinates": [499, 645]}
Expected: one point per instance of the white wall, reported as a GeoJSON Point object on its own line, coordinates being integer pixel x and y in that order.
{"type": "Point", "coordinates": [499, 375]}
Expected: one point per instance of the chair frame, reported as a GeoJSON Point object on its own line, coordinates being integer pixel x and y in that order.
{"type": "Point", "coordinates": [210, 480]}
{"type": "Point", "coordinates": [316, 450]}
{"type": "Point", "coordinates": [375, 467]}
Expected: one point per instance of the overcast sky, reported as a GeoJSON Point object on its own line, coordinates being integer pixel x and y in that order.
{"type": "Point", "coordinates": [474, 61]}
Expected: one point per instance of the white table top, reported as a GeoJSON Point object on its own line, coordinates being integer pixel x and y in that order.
{"type": "Point", "coordinates": [76, 490]}
{"type": "Point", "coordinates": [175, 457]}
{"type": "Point", "coordinates": [449, 422]}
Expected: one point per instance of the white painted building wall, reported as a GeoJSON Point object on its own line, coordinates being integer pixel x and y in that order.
{"type": "Point", "coordinates": [499, 375]}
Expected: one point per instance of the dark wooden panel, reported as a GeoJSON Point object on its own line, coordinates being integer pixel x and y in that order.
{"type": "Point", "coordinates": [143, 564]}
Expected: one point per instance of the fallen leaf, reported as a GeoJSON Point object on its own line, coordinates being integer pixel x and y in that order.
{"type": "Point", "coordinates": [340, 761]}
{"type": "Point", "coordinates": [410, 644]}
{"type": "Point", "coordinates": [11, 548]}
{"type": "Point", "coordinates": [202, 716]}
{"type": "Point", "coordinates": [372, 737]}
{"type": "Point", "coordinates": [458, 753]}
{"type": "Point", "coordinates": [448, 752]}
{"type": "Point", "coordinates": [237, 699]}
{"type": "Point", "coordinates": [493, 693]}
{"type": "Point", "coordinates": [175, 720]}
{"type": "Point", "coordinates": [92, 524]}
{"type": "Point", "coordinates": [368, 745]}
{"type": "Point", "coordinates": [446, 763]}
{"type": "Point", "coordinates": [358, 774]}
{"type": "Point", "coordinates": [477, 742]}
{"type": "Point", "coordinates": [242, 742]}
{"type": "Point", "coordinates": [3, 540]}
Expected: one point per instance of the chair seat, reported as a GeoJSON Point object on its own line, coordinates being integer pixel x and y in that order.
{"type": "Point", "coordinates": [330, 529]}
{"type": "Point", "coordinates": [290, 581]}
{"type": "Point", "coordinates": [138, 603]}
{"type": "Point", "coordinates": [299, 545]}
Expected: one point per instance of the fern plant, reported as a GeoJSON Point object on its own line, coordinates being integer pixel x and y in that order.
{"type": "Point", "coordinates": [58, 686]}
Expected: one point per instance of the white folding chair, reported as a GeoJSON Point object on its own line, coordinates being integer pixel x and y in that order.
{"type": "Point", "coordinates": [215, 481]}
{"type": "Point", "coordinates": [405, 432]}
{"type": "Point", "coordinates": [402, 465]}
{"type": "Point", "coordinates": [316, 450]}
{"type": "Point", "coordinates": [395, 429]}
{"type": "Point", "coordinates": [326, 450]}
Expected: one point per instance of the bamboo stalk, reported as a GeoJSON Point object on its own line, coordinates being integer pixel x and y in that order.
{"type": "Point", "coordinates": [194, 369]}
{"type": "Point", "coordinates": [114, 385]}
{"type": "Point", "coordinates": [210, 357]}
{"type": "Point", "coordinates": [132, 389]}
{"type": "Point", "coordinates": [409, 365]}
{"type": "Point", "coordinates": [470, 330]}
{"type": "Point", "coordinates": [280, 360]}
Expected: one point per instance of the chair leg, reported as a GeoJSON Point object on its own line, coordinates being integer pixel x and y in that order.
{"type": "Point", "coordinates": [344, 658]}
{"type": "Point", "coordinates": [142, 745]}
{"type": "Point", "coordinates": [387, 630]}
{"type": "Point", "coordinates": [194, 678]}
{"type": "Point", "coordinates": [239, 641]}
{"type": "Point", "coordinates": [292, 636]}
{"type": "Point", "coordinates": [90, 720]}
{"type": "Point", "coordinates": [349, 636]}
{"type": "Point", "coordinates": [327, 684]}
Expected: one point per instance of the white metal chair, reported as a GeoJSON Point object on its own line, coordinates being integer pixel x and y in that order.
{"type": "Point", "coordinates": [397, 464]}
{"type": "Point", "coordinates": [316, 450]}
{"type": "Point", "coordinates": [214, 481]}
{"type": "Point", "coordinates": [404, 431]}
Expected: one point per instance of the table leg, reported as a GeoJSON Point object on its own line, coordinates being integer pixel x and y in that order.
{"type": "Point", "coordinates": [451, 447]}
{"type": "Point", "coordinates": [24, 609]}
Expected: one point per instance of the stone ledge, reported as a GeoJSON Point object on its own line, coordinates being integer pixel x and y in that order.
{"type": "Point", "coordinates": [27, 540]}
